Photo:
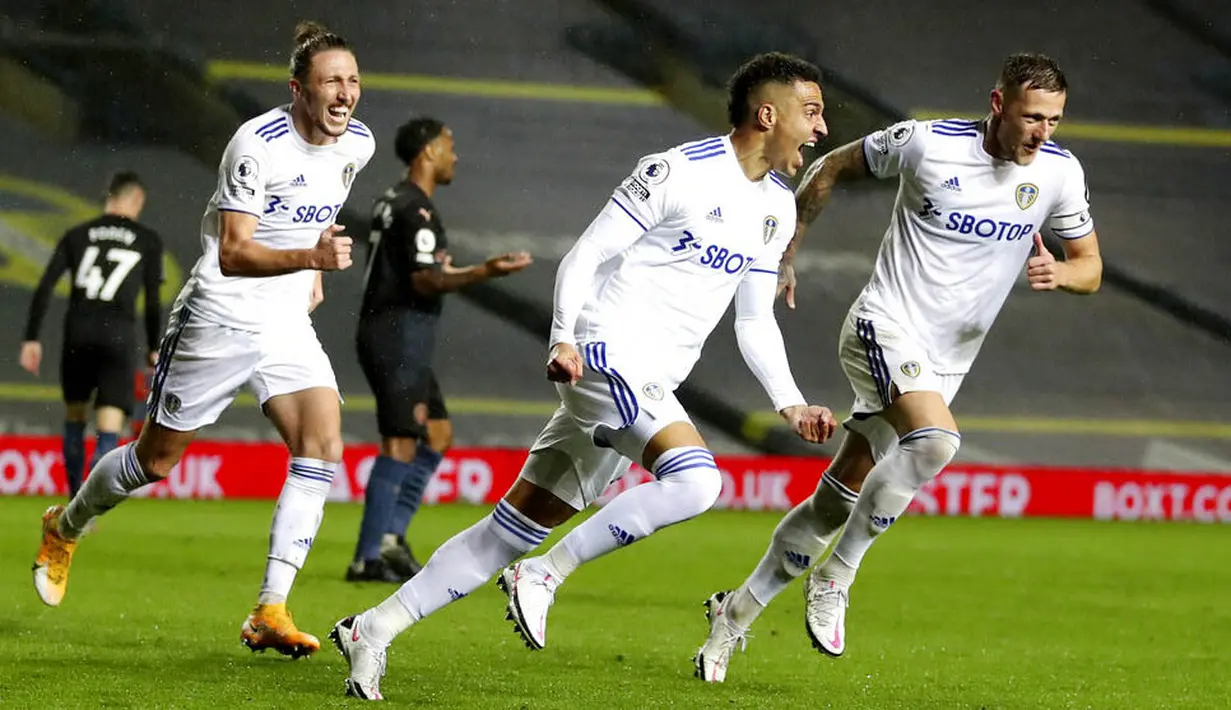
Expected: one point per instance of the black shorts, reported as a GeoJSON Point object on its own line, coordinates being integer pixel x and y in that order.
{"type": "Point", "coordinates": [395, 353]}
{"type": "Point", "coordinates": [103, 370]}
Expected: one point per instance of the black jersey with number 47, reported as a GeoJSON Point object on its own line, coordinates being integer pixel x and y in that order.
{"type": "Point", "coordinates": [111, 261]}
{"type": "Point", "coordinates": [406, 236]}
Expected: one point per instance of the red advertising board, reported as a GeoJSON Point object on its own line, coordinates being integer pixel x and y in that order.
{"type": "Point", "coordinates": [32, 465]}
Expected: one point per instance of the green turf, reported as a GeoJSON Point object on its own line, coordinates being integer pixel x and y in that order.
{"type": "Point", "coordinates": [949, 613]}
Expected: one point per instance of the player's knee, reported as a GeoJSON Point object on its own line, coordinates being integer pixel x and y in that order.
{"type": "Point", "coordinates": [932, 448]}
{"type": "Point", "coordinates": [694, 490]}
{"type": "Point", "coordinates": [326, 447]}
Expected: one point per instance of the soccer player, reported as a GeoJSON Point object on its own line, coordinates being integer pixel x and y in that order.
{"type": "Point", "coordinates": [243, 319]}
{"type": "Point", "coordinates": [971, 197]}
{"type": "Point", "coordinates": [113, 259]}
{"type": "Point", "coordinates": [690, 230]}
{"type": "Point", "coordinates": [408, 273]}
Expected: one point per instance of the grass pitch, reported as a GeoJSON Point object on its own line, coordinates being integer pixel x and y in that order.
{"type": "Point", "coordinates": [948, 613]}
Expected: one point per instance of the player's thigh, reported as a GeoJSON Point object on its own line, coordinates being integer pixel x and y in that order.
{"type": "Point", "coordinates": [622, 404]}
{"type": "Point", "coordinates": [296, 388]}
{"type": "Point", "coordinates": [116, 370]}
{"type": "Point", "coordinates": [565, 462]}
{"type": "Point", "coordinates": [201, 367]}
{"type": "Point", "coordinates": [78, 373]}
{"type": "Point", "coordinates": [891, 374]}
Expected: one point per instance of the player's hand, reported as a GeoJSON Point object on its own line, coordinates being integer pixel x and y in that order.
{"type": "Point", "coordinates": [786, 281]}
{"type": "Point", "coordinates": [506, 264]}
{"type": "Point", "coordinates": [564, 364]}
{"type": "Point", "coordinates": [31, 356]}
{"type": "Point", "coordinates": [333, 249]}
{"type": "Point", "coordinates": [151, 359]}
{"type": "Point", "coordinates": [1042, 268]}
{"type": "Point", "coordinates": [812, 423]}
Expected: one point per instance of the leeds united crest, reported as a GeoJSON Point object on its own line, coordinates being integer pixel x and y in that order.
{"type": "Point", "coordinates": [769, 228]}
{"type": "Point", "coordinates": [1027, 193]}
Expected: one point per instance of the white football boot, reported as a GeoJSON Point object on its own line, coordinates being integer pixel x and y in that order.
{"type": "Point", "coordinates": [825, 612]}
{"type": "Point", "coordinates": [366, 661]}
{"type": "Point", "coordinates": [531, 590]}
{"type": "Point", "coordinates": [712, 659]}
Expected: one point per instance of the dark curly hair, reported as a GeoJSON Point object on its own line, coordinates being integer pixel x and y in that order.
{"type": "Point", "coordinates": [762, 69]}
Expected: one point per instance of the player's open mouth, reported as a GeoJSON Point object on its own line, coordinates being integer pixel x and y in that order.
{"type": "Point", "coordinates": [806, 144]}
{"type": "Point", "coordinates": [339, 112]}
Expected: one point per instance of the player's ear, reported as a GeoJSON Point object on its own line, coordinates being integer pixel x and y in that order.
{"type": "Point", "coordinates": [296, 89]}
{"type": "Point", "coordinates": [997, 100]}
{"type": "Point", "coordinates": [767, 115]}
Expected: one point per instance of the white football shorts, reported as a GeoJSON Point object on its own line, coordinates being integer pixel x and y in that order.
{"type": "Point", "coordinates": [603, 424]}
{"type": "Point", "coordinates": [202, 366]}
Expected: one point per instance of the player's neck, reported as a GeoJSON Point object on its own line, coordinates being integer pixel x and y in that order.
{"type": "Point", "coordinates": [750, 152]}
{"type": "Point", "coordinates": [991, 145]}
{"type": "Point", "coordinates": [118, 208]}
{"type": "Point", "coordinates": [423, 178]}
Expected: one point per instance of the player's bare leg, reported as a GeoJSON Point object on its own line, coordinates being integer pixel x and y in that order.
{"type": "Point", "coordinates": [112, 480]}
{"type": "Point", "coordinates": [310, 422]}
{"type": "Point", "coordinates": [798, 542]}
{"type": "Point", "coordinates": [928, 440]}
{"type": "Point", "coordinates": [687, 484]}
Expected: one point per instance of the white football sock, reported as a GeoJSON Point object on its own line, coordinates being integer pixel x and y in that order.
{"type": "Point", "coordinates": [110, 482]}
{"type": "Point", "coordinates": [799, 541]}
{"type": "Point", "coordinates": [688, 484]}
{"type": "Point", "coordinates": [886, 493]}
{"type": "Point", "coordinates": [458, 567]}
{"type": "Point", "coordinates": [297, 517]}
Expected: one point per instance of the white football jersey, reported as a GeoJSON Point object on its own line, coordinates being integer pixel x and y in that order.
{"type": "Point", "coordinates": [962, 229]}
{"type": "Point", "coordinates": [296, 190]}
{"type": "Point", "coordinates": [706, 228]}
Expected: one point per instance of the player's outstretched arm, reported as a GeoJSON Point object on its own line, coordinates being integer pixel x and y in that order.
{"type": "Point", "coordinates": [1081, 271]}
{"type": "Point", "coordinates": [241, 255]}
{"type": "Point", "coordinates": [449, 278]}
{"type": "Point", "coordinates": [764, 351]}
{"type": "Point", "coordinates": [839, 165]}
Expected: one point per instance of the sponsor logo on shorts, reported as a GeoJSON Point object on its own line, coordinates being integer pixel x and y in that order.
{"type": "Point", "coordinates": [622, 537]}
{"type": "Point", "coordinates": [171, 403]}
{"type": "Point", "coordinates": [654, 391]}
{"type": "Point", "coordinates": [910, 369]}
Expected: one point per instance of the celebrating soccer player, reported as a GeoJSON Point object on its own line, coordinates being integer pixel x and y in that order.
{"type": "Point", "coordinates": [242, 319]}
{"type": "Point", "coordinates": [690, 230]}
{"type": "Point", "coordinates": [972, 196]}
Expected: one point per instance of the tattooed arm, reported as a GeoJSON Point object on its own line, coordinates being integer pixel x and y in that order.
{"type": "Point", "coordinates": [842, 164]}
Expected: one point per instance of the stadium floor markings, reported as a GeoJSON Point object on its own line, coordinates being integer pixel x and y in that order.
{"type": "Point", "coordinates": [1137, 134]}
{"type": "Point", "coordinates": [758, 422]}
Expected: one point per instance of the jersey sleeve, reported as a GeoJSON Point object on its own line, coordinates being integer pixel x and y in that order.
{"type": "Point", "coordinates": [651, 194]}
{"type": "Point", "coordinates": [1070, 218]}
{"type": "Point", "coordinates": [56, 266]}
{"type": "Point", "coordinates": [244, 174]}
{"type": "Point", "coordinates": [895, 150]}
{"type": "Point", "coordinates": [421, 240]}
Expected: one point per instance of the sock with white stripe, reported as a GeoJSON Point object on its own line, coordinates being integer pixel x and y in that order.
{"type": "Point", "coordinates": [886, 493]}
{"type": "Point", "coordinates": [115, 477]}
{"type": "Point", "coordinates": [297, 517]}
{"type": "Point", "coordinates": [799, 541]}
{"type": "Point", "coordinates": [457, 568]}
{"type": "Point", "coordinates": [688, 484]}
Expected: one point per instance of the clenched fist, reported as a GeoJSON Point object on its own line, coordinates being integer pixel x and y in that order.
{"type": "Point", "coordinates": [333, 249]}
